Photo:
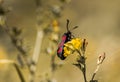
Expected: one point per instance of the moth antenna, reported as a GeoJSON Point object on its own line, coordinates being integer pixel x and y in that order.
{"type": "Point", "coordinates": [75, 27]}
{"type": "Point", "coordinates": [67, 24]}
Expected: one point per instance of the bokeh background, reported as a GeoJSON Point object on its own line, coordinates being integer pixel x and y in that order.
{"type": "Point", "coordinates": [99, 23]}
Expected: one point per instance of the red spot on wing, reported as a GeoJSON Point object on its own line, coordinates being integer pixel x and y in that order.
{"type": "Point", "coordinates": [60, 50]}
{"type": "Point", "coordinates": [63, 41]}
{"type": "Point", "coordinates": [64, 37]}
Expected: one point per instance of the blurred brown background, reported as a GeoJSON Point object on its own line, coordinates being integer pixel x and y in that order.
{"type": "Point", "coordinates": [99, 23]}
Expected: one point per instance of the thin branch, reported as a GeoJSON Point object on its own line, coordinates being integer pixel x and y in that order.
{"type": "Point", "coordinates": [19, 72]}
{"type": "Point", "coordinates": [84, 72]}
{"type": "Point", "coordinates": [95, 72]}
{"type": "Point", "coordinates": [79, 52]}
{"type": "Point", "coordinates": [85, 75]}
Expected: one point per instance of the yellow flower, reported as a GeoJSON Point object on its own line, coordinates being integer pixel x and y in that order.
{"type": "Point", "coordinates": [74, 44]}
{"type": "Point", "coordinates": [71, 46]}
{"type": "Point", "coordinates": [67, 51]}
{"type": "Point", "coordinates": [77, 43]}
